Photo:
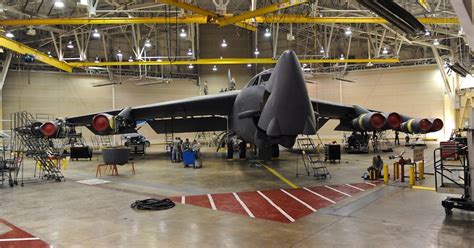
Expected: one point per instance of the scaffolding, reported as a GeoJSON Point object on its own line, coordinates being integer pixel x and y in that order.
{"type": "Point", "coordinates": [27, 141]}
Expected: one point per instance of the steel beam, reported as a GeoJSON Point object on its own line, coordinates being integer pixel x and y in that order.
{"type": "Point", "coordinates": [23, 49]}
{"type": "Point", "coordinates": [260, 12]}
{"type": "Point", "coordinates": [228, 61]}
{"type": "Point", "coordinates": [198, 19]}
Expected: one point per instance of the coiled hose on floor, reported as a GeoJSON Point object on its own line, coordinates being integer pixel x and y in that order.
{"type": "Point", "coordinates": [153, 204]}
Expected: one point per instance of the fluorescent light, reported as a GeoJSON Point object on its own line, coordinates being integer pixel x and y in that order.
{"type": "Point", "coordinates": [96, 33]}
{"type": "Point", "coordinates": [249, 65]}
{"type": "Point", "coordinates": [267, 33]}
{"type": "Point", "coordinates": [9, 34]}
{"type": "Point", "coordinates": [190, 52]}
{"type": "Point", "coordinates": [348, 31]}
{"type": "Point", "coordinates": [436, 42]}
{"type": "Point", "coordinates": [130, 59]}
{"type": "Point", "coordinates": [58, 4]}
{"type": "Point", "coordinates": [342, 57]}
{"type": "Point", "coordinates": [190, 66]}
{"type": "Point", "coordinates": [256, 51]}
{"type": "Point", "coordinates": [70, 45]}
{"type": "Point", "coordinates": [223, 44]}
{"type": "Point", "coordinates": [183, 33]}
{"type": "Point", "coordinates": [214, 68]}
{"type": "Point", "coordinates": [385, 50]}
{"type": "Point", "coordinates": [147, 43]}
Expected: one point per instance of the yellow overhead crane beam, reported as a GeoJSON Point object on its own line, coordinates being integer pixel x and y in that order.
{"type": "Point", "coordinates": [260, 12]}
{"type": "Point", "coordinates": [23, 49]}
{"type": "Point", "coordinates": [203, 20]}
{"type": "Point", "coordinates": [228, 61]}
{"type": "Point", "coordinates": [209, 16]}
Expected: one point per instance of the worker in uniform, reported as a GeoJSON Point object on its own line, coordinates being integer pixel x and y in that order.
{"type": "Point", "coordinates": [186, 145]}
{"type": "Point", "coordinates": [397, 139]}
{"type": "Point", "coordinates": [377, 165]}
{"type": "Point", "coordinates": [196, 146]}
{"type": "Point", "coordinates": [175, 150]}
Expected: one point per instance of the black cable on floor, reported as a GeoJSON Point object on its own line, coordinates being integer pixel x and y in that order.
{"type": "Point", "coordinates": [153, 204]}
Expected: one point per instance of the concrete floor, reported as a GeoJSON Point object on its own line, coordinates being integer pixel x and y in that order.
{"type": "Point", "coordinates": [70, 214]}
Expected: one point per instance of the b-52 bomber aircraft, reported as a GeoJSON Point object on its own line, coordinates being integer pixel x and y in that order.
{"type": "Point", "coordinates": [272, 109]}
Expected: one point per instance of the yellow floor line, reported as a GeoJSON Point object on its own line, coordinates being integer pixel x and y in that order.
{"type": "Point", "coordinates": [280, 176]}
{"type": "Point", "coordinates": [423, 188]}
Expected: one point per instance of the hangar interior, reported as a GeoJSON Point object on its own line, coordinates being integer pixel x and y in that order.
{"type": "Point", "coordinates": [312, 123]}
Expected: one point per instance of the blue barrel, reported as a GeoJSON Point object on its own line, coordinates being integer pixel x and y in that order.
{"type": "Point", "coordinates": [189, 158]}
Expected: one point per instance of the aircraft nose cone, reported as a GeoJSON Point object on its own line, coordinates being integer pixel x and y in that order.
{"type": "Point", "coordinates": [288, 109]}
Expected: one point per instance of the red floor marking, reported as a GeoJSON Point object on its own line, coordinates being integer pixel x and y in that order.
{"type": "Point", "coordinates": [363, 185]}
{"type": "Point", "coordinates": [313, 200]}
{"type": "Point", "coordinates": [346, 189]}
{"type": "Point", "coordinates": [227, 202]}
{"type": "Point", "coordinates": [17, 233]}
{"type": "Point", "coordinates": [331, 194]}
{"type": "Point", "coordinates": [198, 200]}
{"type": "Point", "coordinates": [261, 208]}
{"type": "Point", "coordinates": [295, 209]}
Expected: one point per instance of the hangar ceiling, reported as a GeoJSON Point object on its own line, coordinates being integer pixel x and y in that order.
{"type": "Point", "coordinates": [316, 30]}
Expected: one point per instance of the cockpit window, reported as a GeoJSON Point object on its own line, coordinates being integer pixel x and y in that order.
{"type": "Point", "coordinates": [265, 77]}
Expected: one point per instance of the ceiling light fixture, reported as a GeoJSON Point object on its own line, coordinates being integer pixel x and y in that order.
{"type": "Point", "coordinates": [214, 68]}
{"type": "Point", "coordinates": [249, 65]}
{"type": "Point", "coordinates": [267, 33]}
{"type": "Point", "coordinates": [70, 45]}
{"type": "Point", "coordinates": [190, 66]}
{"type": "Point", "coordinates": [256, 52]}
{"type": "Point", "coordinates": [348, 31]}
{"type": "Point", "coordinates": [370, 64]}
{"type": "Point", "coordinates": [130, 59]}
{"type": "Point", "coordinates": [96, 33]}
{"type": "Point", "coordinates": [224, 43]}
{"type": "Point", "coordinates": [190, 52]}
{"type": "Point", "coordinates": [436, 42]}
{"type": "Point", "coordinates": [427, 33]}
{"type": "Point", "coordinates": [96, 60]}
{"type": "Point", "coordinates": [9, 34]}
{"type": "Point", "coordinates": [385, 50]}
{"type": "Point", "coordinates": [321, 50]}
{"type": "Point", "coordinates": [58, 4]}
{"type": "Point", "coordinates": [342, 57]}
{"type": "Point", "coordinates": [159, 60]}
{"type": "Point", "coordinates": [183, 33]}
{"type": "Point", "coordinates": [147, 43]}
{"type": "Point", "coordinates": [119, 54]}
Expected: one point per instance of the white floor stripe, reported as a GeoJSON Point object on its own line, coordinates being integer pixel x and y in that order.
{"type": "Point", "coordinates": [18, 239]}
{"type": "Point", "coordinates": [213, 205]}
{"type": "Point", "coordinates": [183, 200]}
{"type": "Point", "coordinates": [243, 205]}
{"type": "Point", "coordinates": [299, 200]}
{"type": "Point", "coordinates": [371, 184]}
{"type": "Point", "coordinates": [352, 186]}
{"type": "Point", "coordinates": [314, 193]}
{"type": "Point", "coordinates": [338, 191]}
{"type": "Point", "coordinates": [276, 206]}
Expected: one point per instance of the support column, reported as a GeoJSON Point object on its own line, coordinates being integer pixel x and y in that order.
{"type": "Point", "coordinates": [3, 76]}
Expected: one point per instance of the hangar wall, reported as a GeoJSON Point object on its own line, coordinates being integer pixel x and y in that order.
{"type": "Point", "coordinates": [416, 91]}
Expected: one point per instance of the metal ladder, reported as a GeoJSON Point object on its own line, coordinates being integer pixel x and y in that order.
{"type": "Point", "coordinates": [311, 157]}
{"type": "Point", "coordinates": [25, 142]}
{"type": "Point", "coordinates": [169, 138]}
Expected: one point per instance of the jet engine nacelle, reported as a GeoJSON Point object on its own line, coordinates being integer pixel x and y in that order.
{"type": "Point", "coordinates": [394, 120]}
{"type": "Point", "coordinates": [437, 124]}
{"type": "Point", "coordinates": [54, 129]}
{"type": "Point", "coordinates": [369, 121]}
{"type": "Point", "coordinates": [414, 126]}
{"type": "Point", "coordinates": [106, 124]}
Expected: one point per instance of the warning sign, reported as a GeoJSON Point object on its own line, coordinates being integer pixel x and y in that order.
{"type": "Point", "coordinates": [418, 154]}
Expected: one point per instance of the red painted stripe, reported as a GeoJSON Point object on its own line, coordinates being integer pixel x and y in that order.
{"type": "Point", "coordinates": [227, 202]}
{"type": "Point", "coordinates": [345, 189]}
{"type": "Point", "coordinates": [261, 208]}
{"type": "Point", "coordinates": [362, 185]}
{"type": "Point", "coordinates": [295, 209]}
{"type": "Point", "coordinates": [331, 194]}
{"type": "Point", "coordinates": [313, 200]}
{"type": "Point", "coordinates": [18, 233]}
{"type": "Point", "coordinates": [198, 200]}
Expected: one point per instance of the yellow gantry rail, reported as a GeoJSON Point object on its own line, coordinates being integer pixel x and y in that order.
{"type": "Point", "coordinates": [203, 20]}
{"type": "Point", "coordinates": [23, 49]}
{"type": "Point", "coordinates": [228, 61]}
{"type": "Point", "coordinates": [260, 12]}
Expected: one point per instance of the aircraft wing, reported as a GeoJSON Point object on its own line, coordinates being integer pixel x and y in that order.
{"type": "Point", "coordinates": [201, 113]}
{"type": "Point", "coordinates": [332, 110]}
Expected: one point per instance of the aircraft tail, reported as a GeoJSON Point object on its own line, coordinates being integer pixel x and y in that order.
{"type": "Point", "coordinates": [230, 81]}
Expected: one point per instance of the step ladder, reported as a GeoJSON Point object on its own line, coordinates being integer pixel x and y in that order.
{"type": "Point", "coordinates": [169, 138]}
{"type": "Point", "coordinates": [311, 158]}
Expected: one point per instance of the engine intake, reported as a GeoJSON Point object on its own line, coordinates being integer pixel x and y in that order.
{"type": "Point", "coordinates": [437, 125]}
{"type": "Point", "coordinates": [103, 123]}
{"type": "Point", "coordinates": [394, 120]}
{"type": "Point", "coordinates": [369, 121]}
